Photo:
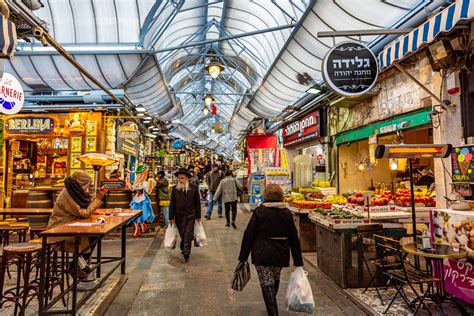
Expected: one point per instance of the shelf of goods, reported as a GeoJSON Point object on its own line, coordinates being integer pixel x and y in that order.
{"type": "Point", "coordinates": [280, 176]}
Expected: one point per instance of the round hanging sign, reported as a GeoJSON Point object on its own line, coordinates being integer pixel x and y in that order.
{"type": "Point", "coordinates": [350, 69]}
{"type": "Point", "coordinates": [129, 130]}
{"type": "Point", "coordinates": [177, 144]}
{"type": "Point", "coordinates": [11, 95]}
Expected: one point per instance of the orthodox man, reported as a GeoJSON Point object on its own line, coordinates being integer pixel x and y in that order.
{"type": "Point", "coordinates": [185, 209]}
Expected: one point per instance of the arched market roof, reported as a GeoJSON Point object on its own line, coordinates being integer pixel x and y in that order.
{"type": "Point", "coordinates": [156, 51]}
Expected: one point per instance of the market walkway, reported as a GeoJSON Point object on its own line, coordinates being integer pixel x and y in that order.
{"type": "Point", "coordinates": [202, 286]}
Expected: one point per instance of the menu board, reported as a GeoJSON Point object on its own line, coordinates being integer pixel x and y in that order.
{"type": "Point", "coordinates": [462, 169]}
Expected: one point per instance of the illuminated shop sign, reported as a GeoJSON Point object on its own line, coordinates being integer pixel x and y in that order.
{"type": "Point", "coordinates": [128, 130]}
{"type": "Point", "coordinates": [305, 129]}
{"type": "Point", "coordinates": [29, 125]}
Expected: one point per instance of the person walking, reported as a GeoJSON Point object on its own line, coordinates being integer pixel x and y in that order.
{"type": "Point", "coordinates": [228, 191]}
{"type": "Point", "coordinates": [163, 195]}
{"type": "Point", "coordinates": [213, 178]}
{"type": "Point", "coordinates": [185, 209]}
{"type": "Point", "coordinates": [269, 236]}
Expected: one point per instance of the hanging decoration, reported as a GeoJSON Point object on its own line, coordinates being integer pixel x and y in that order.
{"type": "Point", "coordinates": [213, 109]}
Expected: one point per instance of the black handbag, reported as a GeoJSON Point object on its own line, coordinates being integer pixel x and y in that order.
{"type": "Point", "coordinates": [241, 276]}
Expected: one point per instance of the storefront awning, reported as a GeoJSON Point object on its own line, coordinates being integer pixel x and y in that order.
{"type": "Point", "coordinates": [410, 120]}
{"type": "Point", "coordinates": [442, 22]}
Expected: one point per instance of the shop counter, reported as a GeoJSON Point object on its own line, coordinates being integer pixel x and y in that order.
{"type": "Point", "coordinates": [338, 255]}
{"type": "Point", "coordinates": [306, 229]}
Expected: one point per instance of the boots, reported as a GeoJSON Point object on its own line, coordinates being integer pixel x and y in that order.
{"type": "Point", "coordinates": [269, 296]}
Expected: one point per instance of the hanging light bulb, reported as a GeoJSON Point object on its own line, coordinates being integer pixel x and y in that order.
{"type": "Point", "coordinates": [361, 166]}
{"type": "Point", "coordinates": [208, 99]}
{"type": "Point", "coordinates": [214, 68]}
{"type": "Point", "coordinates": [213, 131]}
{"type": "Point", "coordinates": [393, 164]}
{"type": "Point", "coordinates": [205, 111]}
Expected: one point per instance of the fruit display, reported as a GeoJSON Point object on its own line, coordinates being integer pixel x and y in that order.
{"type": "Point", "coordinates": [293, 196]}
{"type": "Point", "coordinates": [336, 199]}
{"type": "Point", "coordinates": [383, 199]}
{"type": "Point", "coordinates": [314, 196]}
{"type": "Point", "coordinates": [357, 198]}
{"type": "Point", "coordinates": [403, 198]}
{"type": "Point", "coordinates": [311, 204]}
{"type": "Point", "coordinates": [322, 183]}
{"type": "Point", "coordinates": [304, 190]}
{"type": "Point", "coordinates": [277, 173]}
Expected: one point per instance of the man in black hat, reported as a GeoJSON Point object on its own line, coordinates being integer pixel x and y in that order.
{"type": "Point", "coordinates": [185, 209]}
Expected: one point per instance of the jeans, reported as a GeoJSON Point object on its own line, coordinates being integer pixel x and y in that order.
{"type": "Point", "coordinates": [228, 207]}
{"type": "Point", "coordinates": [210, 207]}
{"type": "Point", "coordinates": [166, 216]}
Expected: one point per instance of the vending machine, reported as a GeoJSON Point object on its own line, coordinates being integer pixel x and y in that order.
{"type": "Point", "coordinates": [257, 185]}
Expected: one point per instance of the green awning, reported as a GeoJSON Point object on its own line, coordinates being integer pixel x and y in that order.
{"type": "Point", "coordinates": [401, 122]}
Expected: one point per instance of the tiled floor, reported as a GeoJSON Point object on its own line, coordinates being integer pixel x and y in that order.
{"type": "Point", "coordinates": [202, 286]}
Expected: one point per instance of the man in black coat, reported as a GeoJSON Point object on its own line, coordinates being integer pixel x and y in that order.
{"type": "Point", "coordinates": [185, 209]}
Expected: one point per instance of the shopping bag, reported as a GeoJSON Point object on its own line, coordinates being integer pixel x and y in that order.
{"type": "Point", "coordinates": [171, 237]}
{"type": "Point", "coordinates": [200, 238]}
{"type": "Point", "coordinates": [299, 297]}
{"type": "Point", "coordinates": [241, 276]}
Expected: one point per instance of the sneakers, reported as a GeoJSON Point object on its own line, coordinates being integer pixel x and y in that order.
{"type": "Point", "coordinates": [137, 230]}
{"type": "Point", "coordinates": [207, 217]}
{"type": "Point", "coordinates": [233, 225]}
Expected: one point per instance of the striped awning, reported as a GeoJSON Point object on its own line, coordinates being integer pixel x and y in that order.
{"type": "Point", "coordinates": [444, 21]}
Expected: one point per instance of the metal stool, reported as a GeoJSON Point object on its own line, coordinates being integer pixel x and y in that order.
{"type": "Point", "coordinates": [57, 260]}
{"type": "Point", "coordinates": [25, 257]}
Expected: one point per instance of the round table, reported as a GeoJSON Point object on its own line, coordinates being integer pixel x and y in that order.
{"type": "Point", "coordinates": [438, 251]}
{"type": "Point", "coordinates": [434, 258]}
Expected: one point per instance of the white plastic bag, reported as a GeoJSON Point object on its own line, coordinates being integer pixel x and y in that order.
{"type": "Point", "coordinates": [200, 238]}
{"type": "Point", "coordinates": [171, 237]}
{"type": "Point", "coordinates": [299, 297]}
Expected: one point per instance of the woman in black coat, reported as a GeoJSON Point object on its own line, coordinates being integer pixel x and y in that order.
{"type": "Point", "coordinates": [269, 236]}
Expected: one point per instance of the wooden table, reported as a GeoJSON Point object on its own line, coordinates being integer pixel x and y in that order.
{"type": "Point", "coordinates": [47, 211]}
{"type": "Point", "coordinates": [25, 211]}
{"type": "Point", "coordinates": [112, 223]}
{"type": "Point", "coordinates": [434, 259]}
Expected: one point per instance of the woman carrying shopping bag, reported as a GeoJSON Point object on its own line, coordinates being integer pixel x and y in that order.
{"type": "Point", "coordinates": [269, 236]}
{"type": "Point", "coordinates": [228, 188]}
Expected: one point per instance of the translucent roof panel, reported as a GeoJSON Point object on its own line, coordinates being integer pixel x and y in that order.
{"type": "Point", "coordinates": [263, 46]}
{"type": "Point", "coordinates": [305, 52]}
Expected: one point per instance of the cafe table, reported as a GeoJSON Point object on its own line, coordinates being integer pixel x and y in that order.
{"type": "Point", "coordinates": [435, 260]}
{"type": "Point", "coordinates": [25, 211]}
{"type": "Point", "coordinates": [90, 227]}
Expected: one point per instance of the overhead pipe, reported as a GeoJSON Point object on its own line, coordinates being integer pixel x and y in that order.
{"type": "Point", "coordinates": [71, 107]}
{"type": "Point", "coordinates": [87, 98]}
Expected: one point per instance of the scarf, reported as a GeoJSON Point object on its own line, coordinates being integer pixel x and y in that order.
{"type": "Point", "coordinates": [77, 193]}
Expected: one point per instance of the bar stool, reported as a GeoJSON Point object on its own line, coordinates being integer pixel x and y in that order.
{"type": "Point", "coordinates": [57, 260]}
{"type": "Point", "coordinates": [24, 256]}
{"type": "Point", "coordinates": [7, 231]}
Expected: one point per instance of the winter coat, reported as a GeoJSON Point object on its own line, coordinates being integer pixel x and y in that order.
{"type": "Point", "coordinates": [185, 203]}
{"type": "Point", "coordinates": [66, 210]}
{"type": "Point", "coordinates": [213, 179]}
{"type": "Point", "coordinates": [162, 188]}
{"type": "Point", "coordinates": [228, 189]}
{"type": "Point", "coordinates": [270, 235]}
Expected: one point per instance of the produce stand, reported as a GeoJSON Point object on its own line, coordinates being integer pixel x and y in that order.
{"type": "Point", "coordinates": [306, 229]}
{"type": "Point", "coordinates": [337, 253]}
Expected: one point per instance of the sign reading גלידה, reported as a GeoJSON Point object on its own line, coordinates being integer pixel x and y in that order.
{"type": "Point", "coordinates": [350, 69]}
{"type": "Point", "coordinates": [12, 96]}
